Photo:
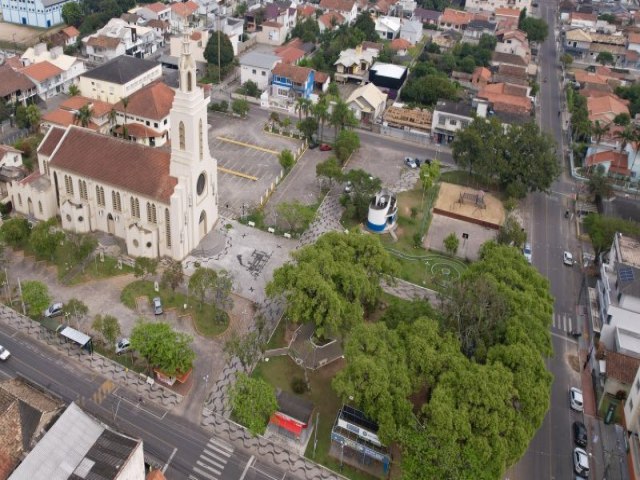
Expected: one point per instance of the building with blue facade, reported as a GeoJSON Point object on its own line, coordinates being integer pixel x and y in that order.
{"type": "Point", "coordinates": [383, 213]}
{"type": "Point", "coordinates": [291, 82]}
{"type": "Point", "coordinates": [35, 13]}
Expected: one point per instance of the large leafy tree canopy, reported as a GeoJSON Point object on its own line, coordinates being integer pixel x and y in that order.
{"type": "Point", "coordinates": [226, 51]}
{"type": "Point", "coordinates": [454, 412]}
{"type": "Point", "coordinates": [333, 281]}
{"type": "Point", "coordinates": [253, 401]}
{"type": "Point", "coordinates": [163, 347]}
{"type": "Point", "coordinates": [521, 160]}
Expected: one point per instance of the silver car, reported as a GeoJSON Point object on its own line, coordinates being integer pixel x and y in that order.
{"type": "Point", "coordinates": [157, 306]}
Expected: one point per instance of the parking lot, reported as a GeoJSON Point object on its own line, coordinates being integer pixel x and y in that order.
{"type": "Point", "coordinates": [383, 162]}
{"type": "Point", "coordinates": [241, 146]}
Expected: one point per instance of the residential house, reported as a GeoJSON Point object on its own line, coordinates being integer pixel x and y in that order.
{"type": "Point", "coordinates": [404, 8]}
{"type": "Point", "coordinates": [306, 11]}
{"type": "Point", "coordinates": [507, 98]}
{"type": "Point", "coordinates": [65, 115]}
{"type": "Point", "coordinates": [197, 43]}
{"type": "Point", "coordinates": [281, 12]}
{"type": "Point", "coordinates": [476, 28]}
{"type": "Point", "coordinates": [618, 296]}
{"type": "Point", "coordinates": [9, 156]}
{"type": "Point", "coordinates": [321, 81]}
{"type": "Point", "coordinates": [614, 44]}
{"type": "Point", "coordinates": [146, 118]}
{"type": "Point", "coordinates": [427, 17]}
{"type": "Point", "coordinates": [35, 13]}
{"type": "Point", "coordinates": [272, 33]}
{"type": "Point", "coordinates": [154, 11]}
{"type": "Point", "coordinates": [400, 46]}
{"type": "Point", "coordinates": [454, 19]}
{"type": "Point", "coordinates": [66, 37]}
{"type": "Point", "coordinates": [233, 28]}
{"type": "Point", "coordinates": [354, 64]}
{"type": "Point", "coordinates": [577, 42]}
{"type": "Point", "coordinates": [515, 44]}
{"type": "Point", "coordinates": [447, 39]}
{"type": "Point", "coordinates": [605, 108]}
{"type": "Point", "coordinates": [617, 374]}
{"type": "Point", "coordinates": [367, 103]}
{"type": "Point", "coordinates": [492, 5]}
{"type": "Point", "coordinates": [290, 54]}
{"type": "Point", "coordinates": [183, 13]}
{"type": "Point", "coordinates": [632, 423]}
{"type": "Point", "coordinates": [507, 16]}
{"type": "Point", "coordinates": [118, 37]}
{"type": "Point", "coordinates": [448, 118]}
{"type": "Point", "coordinates": [480, 77]}
{"type": "Point", "coordinates": [347, 8]}
{"type": "Point", "coordinates": [15, 86]}
{"type": "Point", "coordinates": [388, 76]}
{"type": "Point", "coordinates": [388, 28]}
{"type": "Point", "coordinates": [72, 67]}
{"type": "Point", "coordinates": [565, 8]}
{"type": "Point", "coordinates": [614, 162]}
{"type": "Point", "coordinates": [79, 444]}
{"type": "Point", "coordinates": [411, 30]}
{"type": "Point", "coordinates": [119, 78]}
{"type": "Point", "coordinates": [257, 67]}
{"type": "Point", "coordinates": [412, 119]}
{"type": "Point", "coordinates": [500, 58]}
{"type": "Point", "coordinates": [586, 21]}
{"type": "Point", "coordinates": [330, 21]}
{"type": "Point", "coordinates": [291, 82]}
{"type": "Point", "coordinates": [633, 41]}
{"type": "Point", "coordinates": [48, 79]}
{"type": "Point", "coordinates": [162, 29]}
{"type": "Point", "coordinates": [514, 74]}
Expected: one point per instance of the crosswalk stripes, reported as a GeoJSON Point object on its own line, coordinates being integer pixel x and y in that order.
{"type": "Point", "coordinates": [564, 322]}
{"type": "Point", "coordinates": [212, 460]}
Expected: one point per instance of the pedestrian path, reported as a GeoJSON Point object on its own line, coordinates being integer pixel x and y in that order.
{"type": "Point", "coordinates": [564, 322]}
{"type": "Point", "coordinates": [212, 461]}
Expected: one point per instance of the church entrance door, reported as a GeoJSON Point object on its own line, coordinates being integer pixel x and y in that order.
{"type": "Point", "coordinates": [111, 225]}
{"type": "Point", "coordinates": [202, 224]}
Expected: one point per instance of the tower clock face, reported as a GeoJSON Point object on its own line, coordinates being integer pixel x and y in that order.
{"type": "Point", "coordinates": [202, 179]}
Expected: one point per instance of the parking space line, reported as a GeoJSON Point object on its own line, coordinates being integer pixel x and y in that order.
{"type": "Point", "coordinates": [248, 145]}
{"type": "Point", "coordinates": [238, 174]}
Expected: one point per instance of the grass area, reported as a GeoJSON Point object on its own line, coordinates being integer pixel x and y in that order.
{"type": "Point", "coordinates": [277, 339]}
{"type": "Point", "coordinates": [460, 177]}
{"type": "Point", "coordinates": [279, 371]}
{"type": "Point", "coordinates": [127, 360]}
{"type": "Point", "coordinates": [203, 315]}
{"type": "Point", "coordinates": [96, 270]}
{"type": "Point", "coordinates": [428, 269]}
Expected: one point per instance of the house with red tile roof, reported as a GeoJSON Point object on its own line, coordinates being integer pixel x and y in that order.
{"type": "Point", "coordinates": [183, 13]}
{"type": "Point", "coordinates": [507, 98]}
{"type": "Point", "coordinates": [493, 5]}
{"type": "Point", "coordinates": [452, 19]}
{"type": "Point", "coordinates": [15, 87]}
{"type": "Point", "coordinates": [330, 21]}
{"type": "Point", "coordinates": [154, 11]}
{"type": "Point", "coordinates": [48, 79]}
{"type": "Point", "coordinates": [67, 114]}
{"type": "Point", "coordinates": [347, 8]}
{"type": "Point", "coordinates": [158, 201]}
{"type": "Point", "coordinates": [605, 108]}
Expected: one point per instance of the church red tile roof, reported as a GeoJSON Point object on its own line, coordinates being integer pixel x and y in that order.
{"type": "Point", "coordinates": [51, 140]}
{"type": "Point", "coordinates": [116, 162]}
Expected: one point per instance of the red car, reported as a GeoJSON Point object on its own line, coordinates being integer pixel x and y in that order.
{"type": "Point", "coordinates": [325, 147]}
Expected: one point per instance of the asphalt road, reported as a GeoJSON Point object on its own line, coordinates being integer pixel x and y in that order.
{"type": "Point", "coordinates": [183, 449]}
{"type": "Point", "coordinates": [549, 456]}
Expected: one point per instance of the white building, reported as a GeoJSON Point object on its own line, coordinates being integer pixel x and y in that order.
{"type": "Point", "coordinates": [9, 156]}
{"type": "Point", "coordinates": [160, 202]}
{"type": "Point", "coordinates": [118, 37]}
{"type": "Point", "coordinates": [492, 5]}
{"type": "Point", "coordinates": [153, 11]}
{"type": "Point", "coordinates": [388, 28]}
{"type": "Point", "coordinates": [257, 67]}
{"type": "Point", "coordinates": [632, 421]}
{"type": "Point", "coordinates": [619, 296]}
{"type": "Point", "coordinates": [411, 30]}
{"type": "Point", "coordinates": [35, 13]}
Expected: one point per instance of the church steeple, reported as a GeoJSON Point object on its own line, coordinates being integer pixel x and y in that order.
{"type": "Point", "coordinates": [187, 65]}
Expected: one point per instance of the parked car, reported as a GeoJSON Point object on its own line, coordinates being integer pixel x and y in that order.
{"type": "Point", "coordinates": [313, 144]}
{"type": "Point", "coordinates": [4, 353]}
{"type": "Point", "coordinates": [157, 306]}
{"type": "Point", "coordinates": [581, 462]}
{"type": "Point", "coordinates": [527, 252]}
{"type": "Point", "coordinates": [54, 310]}
{"type": "Point", "coordinates": [580, 434]}
{"type": "Point", "coordinates": [575, 399]}
{"type": "Point", "coordinates": [567, 258]}
{"type": "Point", "coordinates": [410, 162]}
{"type": "Point", "coordinates": [325, 147]}
{"type": "Point", "coordinates": [122, 346]}
{"type": "Point", "coordinates": [348, 187]}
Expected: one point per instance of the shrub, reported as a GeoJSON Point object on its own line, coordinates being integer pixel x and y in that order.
{"type": "Point", "coordinates": [298, 385]}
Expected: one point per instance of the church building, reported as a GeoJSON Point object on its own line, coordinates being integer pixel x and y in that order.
{"type": "Point", "coordinates": [160, 202]}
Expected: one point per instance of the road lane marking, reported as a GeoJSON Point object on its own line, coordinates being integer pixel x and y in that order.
{"type": "Point", "coordinates": [220, 450]}
{"type": "Point", "coordinates": [166, 465]}
{"type": "Point", "coordinates": [222, 444]}
{"type": "Point", "coordinates": [209, 457]}
{"type": "Point", "coordinates": [248, 145]}
{"type": "Point", "coordinates": [204, 474]}
{"type": "Point", "coordinates": [246, 468]}
{"type": "Point", "coordinates": [204, 465]}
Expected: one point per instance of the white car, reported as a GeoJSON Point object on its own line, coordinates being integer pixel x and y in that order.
{"type": "Point", "coordinates": [122, 346]}
{"type": "Point", "coordinates": [4, 353]}
{"type": "Point", "coordinates": [54, 310]}
{"type": "Point", "coordinates": [527, 252]}
{"type": "Point", "coordinates": [567, 258]}
{"type": "Point", "coordinates": [410, 162]}
{"type": "Point", "coordinates": [575, 399]}
{"type": "Point", "coordinates": [581, 462]}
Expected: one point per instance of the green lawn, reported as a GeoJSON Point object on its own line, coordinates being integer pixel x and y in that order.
{"type": "Point", "coordinates": [428, 269]}
{"type": "Point", "coordinates": [203, 315]}
{"type": "Point", "coordinates": [279, 371]}
{"type": "Point", "coordinates": [277, 339]}
{"type": "Point", "coordinates": [96, 270]}
{"type": "Point", "coordinates": [127, 360]}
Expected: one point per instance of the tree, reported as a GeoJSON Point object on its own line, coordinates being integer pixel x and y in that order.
{"type": "Point", "coordinates": [125, 104]}
{"type": "Point", "coordinates": [346, 143]}
{"type": "Point", "coordinates": [77, 308]}
{"type": "Point", "coordinates": [333, 281]}
{"type": "Point", "coordinates": [429, 174]}
{"type": "Point", "coordinates": [329, 169]}
{"type": "Point", "coordinates": [246, 349]}
{"type": "Point", "coordinates": [535, 28]}
{"type": "Point", "coordinates": [367, 26]}
{"type": "Point", "coordinates": [251, 88]}
{"type": "Point", "coordinates": [622, 120]}
{"type": "Point", "coordinates": [286, 123]}
{"type": "Point", "coordinates": [45, 239]}
{"type": "Point", "coordinates": [83, 115]}
{"type": "Point", "coordinates": [222, 291]}
{"type": "Point", "coordinates": [363, 187]}
{"type": "Point", "coordinates": [451, 243]}
{"type": "Point", "coordinates": [605, 58]}
{"type": "Point", "coordinates": [241, 9]}
{"type": "Point", "coordinates": [226, 51]}
{"type": "Point", "coordinates": [144, 267]}
{"type": "Point", "coordinates": [72, 13]}
{"type": "Point", "coordinates": [626, 135]}
{"type": "Point", "coordinates": [173, 275]}
{"type": "Point", "coordinates": [598, 130]}
{"type": "Point", "coordinates": [511, 233]}
{"type": "Point", "coordinates": [342, 116]}
{"type": "Point", "coordinates": [297, 215]}
{"type": "Point", "coordinates": [602, 228]}
{"type": "Point", "coordinates": [240, 107]}
{"type": "Point", "coordinates": [566, 59]}
{"type": "Point", "coordinates": [35, 296]}
{"type": "Point", "coordinates": [33, 116]}
{"type": "Point", "coordinates": [253, 402]}
{"type": "Point", "coordinates": [74, 90]}
{"type": "Point", "coordinates": [109, 327]}
{"type": "Point", "coordinates": [308, 127]}
{"type": "Point", "coordinates": [202, 283]}
{"type": "Point", "coordinates": [303, 107]}
{"type": "Point", "coordinates": [427, 90]}
{"type": "Point", "coordinates": [15, 232]}
{"type": "Point", "coordinates": [162, 347]}
{"type": "Point", "coordinates": [306, 30]}
{"type": "Point", "coordinates": [320, 112]}
{"type": "Point", "coordinates": [599, 184]}
{"type": "Point", "coordinates": [287, 160]}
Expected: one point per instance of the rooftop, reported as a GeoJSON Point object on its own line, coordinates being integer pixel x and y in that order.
{"type": "Point", "coordinates": [389, 70]}
{"type": "Point", "coordinates": [294, 406]}
{"type": "Point", "coordinates": [628, 250]}
{"type": "Point", "coordinates": [260, 60]}
{"type": "Point", "coordinates": [42, 71]}
{"type": "Point", "coordinates": [292, 72]}
{"type": "Point", "coordinates": [464, 109]}
{"type": "Point", "coordinates": [339, 5]}
{"type": "Point", "coordinates": [121, 70]}
{"type": "Point", "coordinates": [184, 9]}
{"type": "Point", "coordinates": [152, 101]}
{"type": "Point", "coordinates": [12, 81]}
{"type": "Point", "coordinates": [621, 367]}
{"type": "Point", "coordinates": [50, 141]}
{"type": "Point", "coordinates": [456, 17]}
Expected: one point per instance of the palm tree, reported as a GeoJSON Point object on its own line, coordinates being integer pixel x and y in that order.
{"type": "Point", "coordinates": [125, 104]}
{"type": "Point", "coordinates": [342, 116]}
{"type": "Point", "coordinates": [321, 113]}
{"type": "Point", "coordinates": [113, 117]}
{"type": "Point", "coordinates": [598, 130]}
{"type": "Point", "coordinates": [628, 134]}
{"type": "Point", "coordinates": [33, 116]}
{"type": "Point", "coordinates": [302, 106]}
{"type": "Point", "coordinates": [74, 90]}
{"type": "Point", "coordinates": [83, 115]}
{"type": "Point", "coordinates": [286, 123]}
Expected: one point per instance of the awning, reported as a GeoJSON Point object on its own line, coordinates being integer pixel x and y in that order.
{"type": "Point", "coordinates": [287, 423]}
{"type": "Point", "coordinates": [76, 336]}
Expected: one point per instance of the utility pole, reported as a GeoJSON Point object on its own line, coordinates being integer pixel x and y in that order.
{"type": "Point", "coordinates": [219, 71]}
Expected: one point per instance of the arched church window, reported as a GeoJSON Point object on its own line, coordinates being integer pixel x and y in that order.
{"type": "Point", "coordinates": [189, 80]}
{"type": "Point", "coordinates": [181, 135]}
{"type": "Point", "coordinates": [167, 226]}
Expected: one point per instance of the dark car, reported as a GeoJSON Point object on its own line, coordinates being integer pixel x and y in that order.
{"type": "Point", "coordinates": [580, 434]}
{"type": "Point", "coordinates": [325, 147]}
{"type": "Point", "coordinates": [313, 144]}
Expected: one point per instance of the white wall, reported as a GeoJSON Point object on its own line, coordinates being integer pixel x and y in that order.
{"type": "Point", "coordinates": [261, 76]}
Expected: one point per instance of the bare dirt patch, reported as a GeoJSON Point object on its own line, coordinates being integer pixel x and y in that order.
{"type": "Point", "coordinates": [574, 362]}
